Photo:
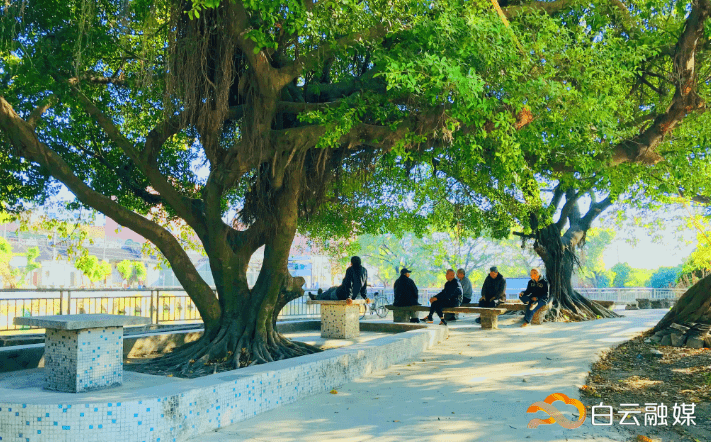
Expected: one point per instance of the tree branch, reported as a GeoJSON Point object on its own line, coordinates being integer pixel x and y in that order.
{"type": "Point", "coordinates": [37, 112]}
{"type": "Point", "coordinates": [557, 196]}
{"type": "Point", "coordinates": [146, 159]}
{"type": "Point", "coordinates": [571, 198]}
{"type": "Point", "coordinates": [641, 149]}
{"type": "Point", "coordinates": [595, 210]}
{"type": "Point", "coordinates": [310, 60]}
{"type": "Point", "coordinates": [25, 141]}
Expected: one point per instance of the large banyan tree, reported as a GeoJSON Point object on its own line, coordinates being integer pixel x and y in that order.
{"type": "Point", "coordinates": [246, 121]}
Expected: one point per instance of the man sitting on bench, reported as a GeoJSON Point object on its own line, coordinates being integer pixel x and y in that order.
{"type": "Point", "coordinates": [405, 290]}
{"type": "Point", "coordinates": [536, 295]}
{"type": "Point", "coordinates": [449, 297]}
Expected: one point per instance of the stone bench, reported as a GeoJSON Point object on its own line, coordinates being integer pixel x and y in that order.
{"type": "Point", "coordinates": [339, 319]}
{"type": "Point", "coordinates": [489, 316]}
{"type": "Point", "coordinates": [514, 305]}
{"type": "Point", "coordinates": [517, 305]}
{"type": "Point", "coordinates": [82, 352]}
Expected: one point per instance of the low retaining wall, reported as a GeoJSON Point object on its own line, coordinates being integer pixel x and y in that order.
{"type": "Point", "coordinates": [182, 408]}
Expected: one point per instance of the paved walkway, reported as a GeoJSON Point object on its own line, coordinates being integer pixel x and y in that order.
{"type": "Point", "coordinates": [476, 386]}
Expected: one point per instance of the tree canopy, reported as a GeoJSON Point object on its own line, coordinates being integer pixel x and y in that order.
{"type": "Point", "coordinates": [245, 121]}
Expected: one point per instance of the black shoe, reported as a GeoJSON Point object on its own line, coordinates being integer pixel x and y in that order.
{"type": "Point", "coordinates": [442, 322]}
{"type": "Point", "coordinates": [313, 297]}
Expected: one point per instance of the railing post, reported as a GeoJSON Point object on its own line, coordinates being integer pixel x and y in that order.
{"type": "Point", "coordinates": [69, 302]}
{"type": "Point", "coordinates": [157, 306]}
{"type": "Point", "coordinates": [61, 302]}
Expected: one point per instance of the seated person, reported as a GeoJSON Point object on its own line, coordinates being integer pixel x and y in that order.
{"type": "Point", "coordinates": [493, 292]}
{"type": "Point", "coordinates": [449, 297]}
{"type": "Point", "coordinates": [405, 290]}
{"type": "Point", "coordinates": [466, 286]}
{"type": "Point", "coordinates": [354, 284]}
{"type": "Point", "coordinates": [328, 295]}
{"type": "Point", "coordinates": [536, 295]}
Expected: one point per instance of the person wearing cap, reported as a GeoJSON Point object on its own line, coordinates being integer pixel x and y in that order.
{"type": "Point", "coordinates": [405, 290]}
{"type": "Point", "coordinates": [493, 292]}
{"type": "Point", "coordinates": [536, 295]}
{"type": "Point", "coordinates": [449, 297]}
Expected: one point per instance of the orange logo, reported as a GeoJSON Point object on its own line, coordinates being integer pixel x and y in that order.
{"type": "Point", "coordinates": [555, 415]}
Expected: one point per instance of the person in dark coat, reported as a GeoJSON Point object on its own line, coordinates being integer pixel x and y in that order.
{"type": "Point", "coordinates": [449, 297]}
{"type": "Point", "coordinates": [406, 292]}
{"type": "Point", "coordinates": [535, 296]}
{"type": "Point", "coordinates": [355, 282]}
{"type": "Point", "coordinates": [493, 292]}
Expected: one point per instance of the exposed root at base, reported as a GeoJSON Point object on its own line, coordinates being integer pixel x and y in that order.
{"type": "Point", "coordinates": [202, 358]}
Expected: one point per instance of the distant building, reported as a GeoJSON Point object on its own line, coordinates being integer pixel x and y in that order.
{"type": "Point", "coordinates": [114, 244]}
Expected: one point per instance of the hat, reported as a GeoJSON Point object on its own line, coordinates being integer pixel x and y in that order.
{"type": "Point", "coordinates": [404, 270]}
{"type": "Point", "coordinates": [494, 269]}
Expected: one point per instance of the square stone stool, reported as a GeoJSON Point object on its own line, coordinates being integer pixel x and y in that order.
{"type": "Point", "coordinates": [338, 319]}
{"type": "Point", "coordinates": [83, 352]}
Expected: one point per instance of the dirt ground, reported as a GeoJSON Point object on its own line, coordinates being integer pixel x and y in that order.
{"type": "Point", "coordinates": [634, 373]}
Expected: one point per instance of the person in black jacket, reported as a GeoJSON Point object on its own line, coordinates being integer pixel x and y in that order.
{"type": "Point", "coordinates": [355, 282]}
{"type": "Point", "coordinates": [536, 295]}
{"type": "Point", "coordinates": [448, 297]}
{"type": "Point", "coordinates": [406, 292]}
{"type": "Point", "coordinates": [493, 292]}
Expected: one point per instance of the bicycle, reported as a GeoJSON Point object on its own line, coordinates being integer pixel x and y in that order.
{"type": "Point", "coordinates": [377, 306]}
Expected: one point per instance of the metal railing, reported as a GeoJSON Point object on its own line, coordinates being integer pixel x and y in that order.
{"type": "Point", "coordinates": [173, 305]}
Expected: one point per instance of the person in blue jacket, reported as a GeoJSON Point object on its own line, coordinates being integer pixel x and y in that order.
{"type": "Point", "coordinates": [535, 296]}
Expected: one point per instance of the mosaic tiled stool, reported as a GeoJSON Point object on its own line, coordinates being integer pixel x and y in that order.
{"type": "Point", "coordinates": [83, 352]}
{"type": "Point", "coordinates": [338, 319]}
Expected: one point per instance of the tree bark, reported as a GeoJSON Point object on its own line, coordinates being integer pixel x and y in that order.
{"type": "Point", "coordinates": [558, 254]}
{"type": "Point", "coordinates": [694, 306]}
{"type": "Point", "coordinates": [246, 333]}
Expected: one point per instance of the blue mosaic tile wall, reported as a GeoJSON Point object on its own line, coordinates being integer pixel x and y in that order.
{"type": "Point", "coordinates": [83, 360]}
{"type": "Point", "coordinates": [198, 410]}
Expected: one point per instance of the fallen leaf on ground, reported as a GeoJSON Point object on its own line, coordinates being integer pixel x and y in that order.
{"type": "Point", "coordinates": [334, 392]}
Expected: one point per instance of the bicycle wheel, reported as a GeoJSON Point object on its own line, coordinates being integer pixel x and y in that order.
{"type": "Point", "coordinates": [363, 310]}
{"type": "Point", "coordinates": [380, 309]}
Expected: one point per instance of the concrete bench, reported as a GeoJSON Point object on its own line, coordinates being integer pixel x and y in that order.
{"type": "Point", "coordinates": [514, 305]}
{"type": "Point", "coordinates": [489, 316]}
{"type": "Point", "coordinates": [82, 352]}
{"type": "Point", "coordinates": [339, 319]}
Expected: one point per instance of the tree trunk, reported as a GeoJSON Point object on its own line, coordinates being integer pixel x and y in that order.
{"type": "Point", "coordinates": [246, 332]}
{"type": "Point", "coordinates": [558, 254]}
{"type": "Point", "coordinates": [693, 307]}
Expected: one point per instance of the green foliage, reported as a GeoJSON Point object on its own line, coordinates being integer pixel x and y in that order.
{"type": "Point", "coordinates": [132, 271]}
{"type": "Point", "coordinates": [665, 277]}
{"type": "Point", "coordinates": [622, 272]}
{"type": "Point", "coordinates": [94, 269]}
{"type": "Point", "coordinates": [592, 266]}
{"type": "Point", "coordinates": [15, 277]}
{"type": "Point", "coordinates": [627, 276]}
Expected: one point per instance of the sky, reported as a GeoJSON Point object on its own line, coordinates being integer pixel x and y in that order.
{"type": "Point", "coordinates": [646, 254]}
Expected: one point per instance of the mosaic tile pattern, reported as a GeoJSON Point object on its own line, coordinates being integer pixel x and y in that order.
{"type": "Point", "coordinates": [211, 402]}
{"type": "Point", "coordinates": [83, 360]}
{"type": "Point", "coordinates": [340, 321]}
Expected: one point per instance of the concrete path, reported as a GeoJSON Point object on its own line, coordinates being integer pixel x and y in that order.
{"type": "Point", "coordinates": [476, 386]}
